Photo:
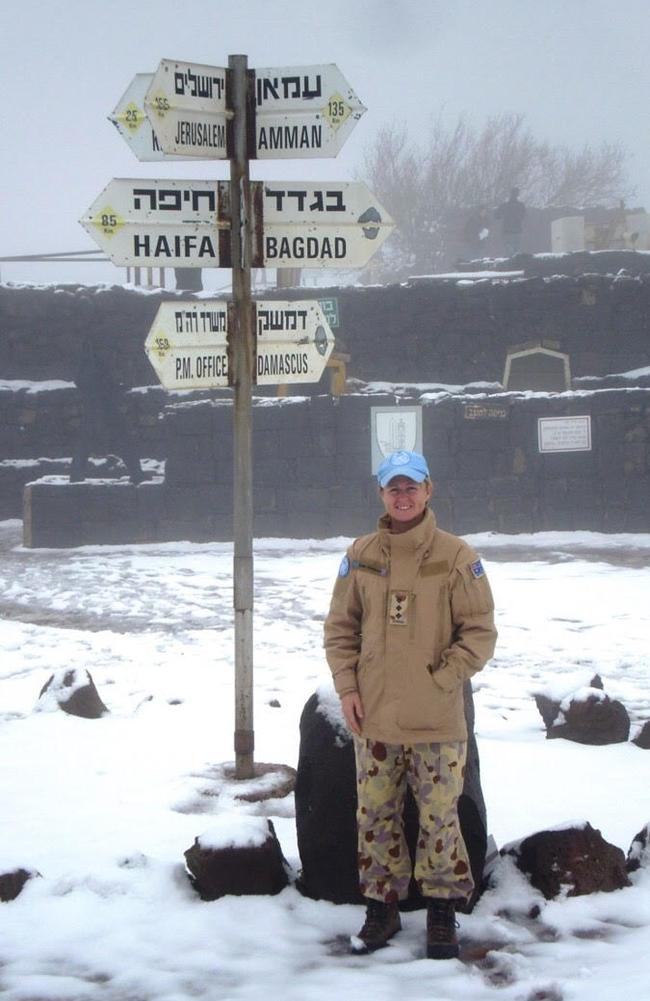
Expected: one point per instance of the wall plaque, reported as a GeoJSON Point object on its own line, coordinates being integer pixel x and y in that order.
{"type": "Point", "coordinates": [488, 411]}
{"type": "Point", "coordinates": [564, 434]}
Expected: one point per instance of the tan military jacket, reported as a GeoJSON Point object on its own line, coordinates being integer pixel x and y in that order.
{"type": "Point", "coordinates": [411, 619]}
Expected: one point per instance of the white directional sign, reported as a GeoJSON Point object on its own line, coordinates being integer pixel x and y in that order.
{"type": "Point", "coordinates": [147, 223]}
{"type": "Point", "coordinates": [188, 343]}
{"type": "Point", "coordinates": [130, 120]}
{"type": "Point", "coordinates": [294, 341]}
{"type": "Point", "coordinates": [333, 224]}
{"type": "Point", "coordinates": [303, 111]}
{"type": "Point", "coordinates": [186, 105]}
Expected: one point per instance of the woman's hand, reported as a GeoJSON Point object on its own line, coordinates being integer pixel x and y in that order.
{"type": "Point", "coordinates": [353, 711]}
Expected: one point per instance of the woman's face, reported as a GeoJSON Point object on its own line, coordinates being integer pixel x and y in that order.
{"type": "Point", "coordinates": [405, 500]}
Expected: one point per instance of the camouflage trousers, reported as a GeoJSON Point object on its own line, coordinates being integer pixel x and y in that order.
{"type": "Point", "coordinates": [434, 773]}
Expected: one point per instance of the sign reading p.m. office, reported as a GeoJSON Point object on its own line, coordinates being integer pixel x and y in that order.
{"type": "Point", "coordinates": [564, 434]}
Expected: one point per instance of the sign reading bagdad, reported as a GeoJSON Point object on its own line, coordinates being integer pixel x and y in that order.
{"type": "Point", "coordinates": [331, 224]}
{"type": "Point", "coordinates": [188, 343]}
{"type": "Point", "coordinates": [156, 223]}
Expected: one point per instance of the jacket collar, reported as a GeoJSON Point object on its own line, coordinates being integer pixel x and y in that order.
{"type": "Point", "coordinates": [421, 536]}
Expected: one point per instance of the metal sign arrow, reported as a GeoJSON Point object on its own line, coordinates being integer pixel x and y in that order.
{"type": "Point", "coordinates": [303, 111]}
{"type": "Point", "coordinates": [153, 223]}
{"type": "Point", "coordinates": [328, 225]}
{"type": "Point", "coordinates": [130, 119]}
{"type": "Point", "coordinates": [186, 105]}
{"type": "Point", "coordinates": [187, 344]}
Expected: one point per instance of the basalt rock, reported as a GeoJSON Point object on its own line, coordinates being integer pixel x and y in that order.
{"type": "Point", "coordinates": [586, 718]}
{"type": "Point", "coordinates": [326, 802]}
{"type": "Point", "coordinates": [642, 738]}
{"type": "Point", "coordinates": [12, 883]}
{"type": "Point", "coordinates": [574, 860]}
{"type": "Point", "coordinates": [75, 693]}
{"type": "Point", "coordinates": [548, 708]}
{"type": "Point", "coordinates": [638, 856]}
{"type": "Point", "coordinates": [237, 869]}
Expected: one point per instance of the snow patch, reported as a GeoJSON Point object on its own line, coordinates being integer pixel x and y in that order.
{"type": "Point", "coordinates": [329, 706]}
{"type": "Point", "coordinates": [68, 681]}
{"type": "Point", "coordinates": [29, 386]}
{"type": "Point", "coordinates": [235, 830]}
{"type": "Point", "coordinates": [583, 694]}
{"type": "Point", "coordinates": [565, 825]}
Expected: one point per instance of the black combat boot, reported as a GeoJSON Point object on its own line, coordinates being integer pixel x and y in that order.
{"type": "Point", "coordinates": [382, 922]}
{"type": "Point", "coordinates": [442, 942]}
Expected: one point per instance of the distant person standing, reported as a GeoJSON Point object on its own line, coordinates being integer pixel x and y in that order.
{"type": "Point", "coordinates": [618, 234]}
{"type": "Point", "coordinates": [511, 214]}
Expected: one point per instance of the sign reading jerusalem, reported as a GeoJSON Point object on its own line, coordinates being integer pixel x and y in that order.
{"type": "Point", "coordinates": [188, 343]}
{"type": "Point", "coordinates": [186, 105]}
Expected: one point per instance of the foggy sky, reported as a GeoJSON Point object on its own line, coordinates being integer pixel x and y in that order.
{"type": "Point", "coordinates": [579, 71]}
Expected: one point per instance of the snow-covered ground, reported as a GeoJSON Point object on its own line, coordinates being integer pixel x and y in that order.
{"type": "Point", "coordinates": [104, 809]}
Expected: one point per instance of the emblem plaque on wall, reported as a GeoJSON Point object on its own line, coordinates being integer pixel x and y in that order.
{"type": "Point", "coordinates": [393, 429]}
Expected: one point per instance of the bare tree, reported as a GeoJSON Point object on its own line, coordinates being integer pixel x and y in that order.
{"type": "Point", "coordinates": [462, 167]}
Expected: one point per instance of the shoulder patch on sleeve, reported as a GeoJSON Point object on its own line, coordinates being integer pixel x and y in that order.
{"type": "Point", "coordinates": [477, 569]}
{"type": "Point", "coordinates": [344, 568]}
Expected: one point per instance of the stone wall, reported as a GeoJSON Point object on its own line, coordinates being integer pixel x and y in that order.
{"type": "Point", "coordinates": [39, 425]}
{"type": "Point", "coordinates": [312, 471]}
{"type": "Point", "coordinates": [444, 330]}
{"type": "Point", "coordinates": [312, 453]}
{"type": "Point", "coordinates": [312, 464]}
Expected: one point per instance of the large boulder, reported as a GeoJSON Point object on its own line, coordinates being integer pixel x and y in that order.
{"type": "Point", "coordinates": [238, 855]}
{"type": "Point", "coordinates": [586, 716]}
{"type": "Point", "coordinates": [326, 803]}
{"type": "Point", "coordinates": [74, 692]}
{"type": "Point", "coordinates": [573, 860]}
{"type": "Point", "coordinates": [638, 856]}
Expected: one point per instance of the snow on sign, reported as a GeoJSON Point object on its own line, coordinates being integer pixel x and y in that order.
{"type": "Point", "coordinates": [139, 222]}
{"type": "Point", "coordinates": [188, 343]}
{"type": "Point", "coordinates": [130, 120]}
{"type": "Point", "coordinates": [303, 111]}
{"type": "Point", "coordinates": [327, 225]}
{"type": "Point", "coordinates": [186, 105]}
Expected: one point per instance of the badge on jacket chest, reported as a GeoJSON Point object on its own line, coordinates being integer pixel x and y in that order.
{"type": "Point", "coordinates": [398, 608]}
